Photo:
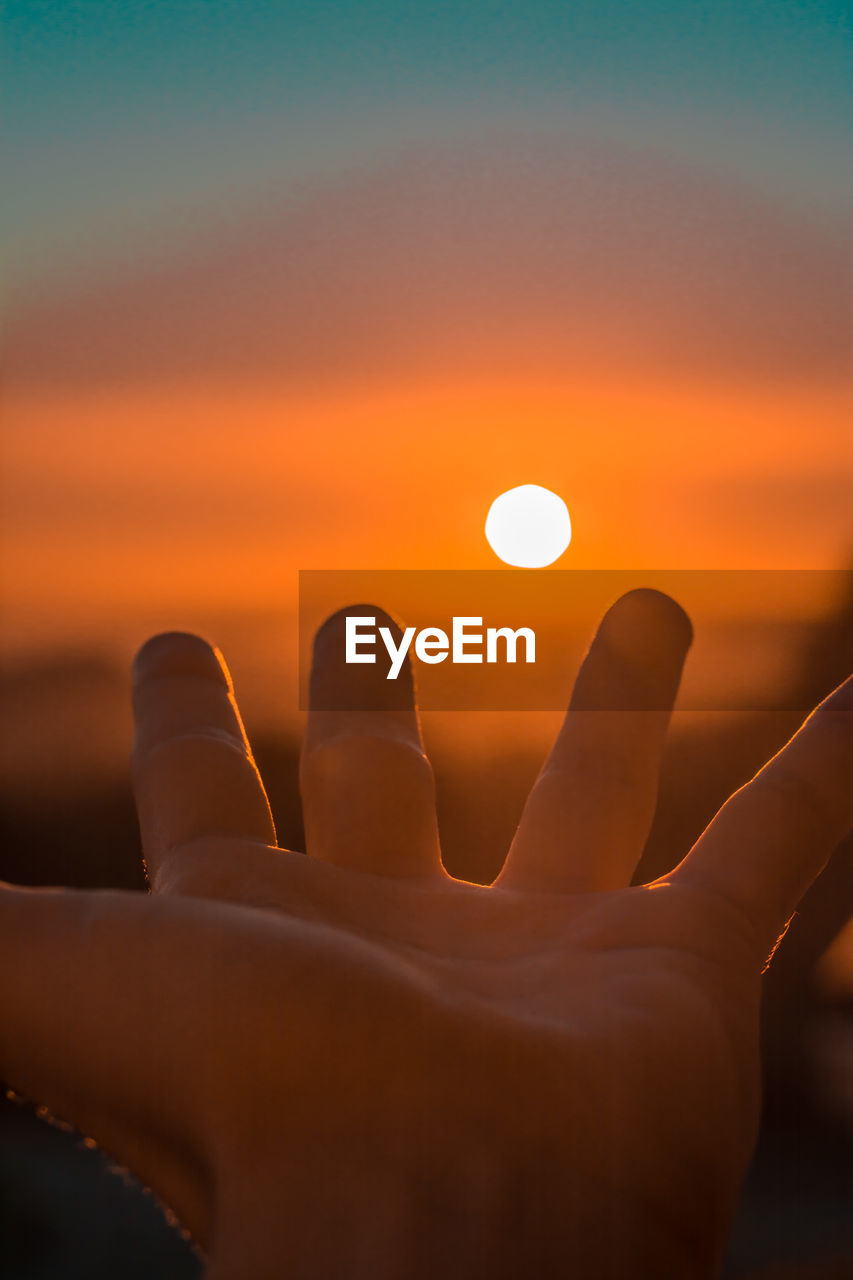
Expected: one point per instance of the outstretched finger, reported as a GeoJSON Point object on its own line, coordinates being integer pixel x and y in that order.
{"type": "Point", "coordinates": [589, 814]}
{"type": "Point", "coordinates": [368, 795]}
{"type": "Point", "coordinates": [774, 836]}
{"type": "Point", "coordinates": [193, 773]}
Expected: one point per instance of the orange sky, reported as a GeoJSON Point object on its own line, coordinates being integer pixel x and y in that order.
{"type": "Point", "coordinates": [350, 380]}
{"type": "Point", "coordinates": [264, 320]}
{"type": "Point", "coordinates": [157, 503]}
{"type": "Point", "coordinates": [148, 508]}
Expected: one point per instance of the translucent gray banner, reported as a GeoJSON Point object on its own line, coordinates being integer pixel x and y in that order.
{"type": "Point", "coordinates": [513, 640]}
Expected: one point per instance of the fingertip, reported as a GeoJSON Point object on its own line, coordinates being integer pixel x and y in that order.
{"type": "Point", "coordinates": [180, 653]}
{"type": "Point", "coordinates": [636, 657]}
{"type": "Point", "coordinates": [646, 620]}
{"type": "Point", "coordinates": [330, 633]}
{"type": "Point", "coordinates": [339, 684]}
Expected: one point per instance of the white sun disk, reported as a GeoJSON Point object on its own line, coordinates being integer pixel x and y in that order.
{"type": "Point", "coordinates": [528, 527]}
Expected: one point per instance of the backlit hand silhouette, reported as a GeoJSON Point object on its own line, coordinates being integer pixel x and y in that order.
{"type": "Point", "coordinates": [349, 1064]}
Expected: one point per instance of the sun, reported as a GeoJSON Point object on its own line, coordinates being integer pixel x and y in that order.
{"type": "Point", "coordinates": [528, 527]}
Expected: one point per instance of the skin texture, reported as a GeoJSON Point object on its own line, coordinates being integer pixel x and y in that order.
{"type": "Point", "coordinates": [351, 1064]}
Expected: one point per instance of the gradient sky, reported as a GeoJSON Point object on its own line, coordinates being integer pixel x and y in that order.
{"type": "Point", "coordinates": [129, 120]}
{"type": "Point", "coordinates": [307, 285]}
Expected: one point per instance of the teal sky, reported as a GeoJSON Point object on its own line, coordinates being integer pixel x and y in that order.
{"type": "Point", "coordinates": [129, 124]}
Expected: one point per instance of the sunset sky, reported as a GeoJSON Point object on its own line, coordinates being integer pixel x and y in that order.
{"type": "Point", "coordinates": [307, 285]}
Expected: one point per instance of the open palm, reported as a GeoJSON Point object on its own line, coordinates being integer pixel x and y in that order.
{"type": "Point", "coordinates": [351, 1064]}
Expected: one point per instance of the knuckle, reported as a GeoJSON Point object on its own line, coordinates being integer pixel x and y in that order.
{"type": "Point", "coordinates": [794, 792]}
{"type": "Point", "coordinates": [212, 738]}
{"type": "Point", "coordinates": [618, 770]}
{"type": "Point", "coordinates": [345, 755]}
{"type": "Point", "coordinates": [197, 869]}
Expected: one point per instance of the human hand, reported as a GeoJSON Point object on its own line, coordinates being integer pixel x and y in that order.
{"type": "Point", "coordinates": [351, 1064]}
